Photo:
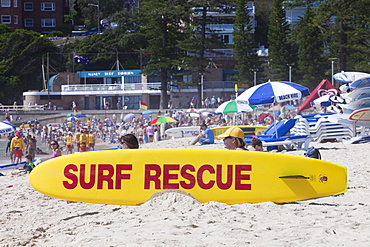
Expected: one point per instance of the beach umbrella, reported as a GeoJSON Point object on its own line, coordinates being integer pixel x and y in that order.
{"type": "Point", "coordinates": [159, 120]}
{"type": "Point", "coordinates": [349, 76]}
{"type": "Point", "coordinates": [146, 117]}
{"type": "Point", "coordinates": [273, 92]}
{"type": "Point", "coordinates": [233, 107]}
{"type": "Point", "coordinates": [205, 113]}
{"type": "Point", "coordinates": [80, 115]}
{"type": "Point", "coordinates": [128, 116]}
{"type": "Point", "coordinates": [70, 115]}
{"type": "Point", "coordinates": [359, 93]}
{"type": "Point", "coordinates": [328, 100]}
{"type": "Point", "coordinates": [194, 114]}
{"type": "Point", "coordinates": [191, 110]}
{"type": "Point", "coordinates": [360, 83]}
{"type": "Point", "coordinates": [6, 127]}
{"type": "Point", "coordinates": [147, 112]}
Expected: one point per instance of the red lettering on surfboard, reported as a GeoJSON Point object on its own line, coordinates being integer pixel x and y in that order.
{"type": "Point", "coordinates": [166, 177]}
{"type": "Point", "coordinates": [99, 175]}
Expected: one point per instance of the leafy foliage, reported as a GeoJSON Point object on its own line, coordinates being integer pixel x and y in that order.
{"type": "Point", "coordinates": [243, 44]}
{"type": "Point", "coordinates": [278, 42]}
{"type": "Point", "coordinates": [20, 59]}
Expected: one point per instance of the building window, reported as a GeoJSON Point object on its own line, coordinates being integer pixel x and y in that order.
{"type": "Point", "coordinates": [5, 3]}
{"type": "Point", "coordinates": [47, 6]}
{"type": "Point", "coordinates": [28, 22]}
{"type": "Point", "coordinates": [15, 19]}
{"type": "Point", "coordinates": [6, 19]}
{"type": "Point", "coordinates": [48, 22]}
{"type": "Point", "coordinates": [15, 3]}
{"type": "Point", "coordinates": [28, 6]}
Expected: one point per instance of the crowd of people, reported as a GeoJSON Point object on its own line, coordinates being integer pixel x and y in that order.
{"type": "Point", "coordinates": [80, 134]}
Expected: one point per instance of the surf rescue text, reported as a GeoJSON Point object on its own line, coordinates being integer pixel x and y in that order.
{"type": "Point", "coordinates": [166, 176]}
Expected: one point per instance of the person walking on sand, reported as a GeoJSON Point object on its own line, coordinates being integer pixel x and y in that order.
{"type": "Point", "coordinates": [91, 138]}
{"type": "Point", "coordinates": [69, 142]}
{"type": "Point", "coordinates": [17, 146]}
{"type": "Point", "coordinates": [31, 146]}
{"type": "Point", "coordinates": [12, 159]}
{"type": "Point", "coordinates": [77, 139]}
{"type": "Point", "coordinates": [84, 140]}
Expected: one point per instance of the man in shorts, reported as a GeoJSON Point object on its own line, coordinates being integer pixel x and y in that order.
{"type": "Point", "coordinates": [17, 147]}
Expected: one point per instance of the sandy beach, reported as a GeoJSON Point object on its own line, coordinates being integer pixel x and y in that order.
{"type": "Point", "coordinates": [28, 218]}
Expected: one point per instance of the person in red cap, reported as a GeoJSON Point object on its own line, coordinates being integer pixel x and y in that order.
{"type": "Point", "coordinates": [17, 146]}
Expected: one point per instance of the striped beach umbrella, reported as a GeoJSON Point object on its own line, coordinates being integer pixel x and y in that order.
{"type": "Point", "coordinates": [232, 107]}
{"type": "Point", "coordinates": [273, 92]}
{"type": "Point", "coordinates": [164, 119]}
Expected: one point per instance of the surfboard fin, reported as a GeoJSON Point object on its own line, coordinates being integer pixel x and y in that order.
{"type": "Point", "coordinates": [295, 177]}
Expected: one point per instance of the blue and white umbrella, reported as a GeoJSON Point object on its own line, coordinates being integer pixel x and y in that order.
{"type": "Point", "coordinates": [6, 127]}
{"type": "Point", "coordinates": [273, 92]}
{"type": "Point", "coordinates": [129, 116]}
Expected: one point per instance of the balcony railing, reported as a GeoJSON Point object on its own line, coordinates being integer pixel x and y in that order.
{"type": "Point", "coordinates": [96, 88]}
{"type": "Point", "coordinates": [110, 87]}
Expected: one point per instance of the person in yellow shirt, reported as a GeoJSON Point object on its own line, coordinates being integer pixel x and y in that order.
{"type": "Point", "coordinates": [84, 140]}
{"type": "Point", "coordinates": [77, 139]}
{"type": "Point", "coordinates": [69, 142]}
{"type": "Point", "coordinates": [88, 122]}
{"type": "Point", "coordinates": [91, 141]}
{"type": "Point", "coordinates": [17, 147]}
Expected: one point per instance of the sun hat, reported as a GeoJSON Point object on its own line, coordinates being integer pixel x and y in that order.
{"type": "Point", "coordinates": [234, 132]}
{"type": "Point", "coordinates": [17, 133]}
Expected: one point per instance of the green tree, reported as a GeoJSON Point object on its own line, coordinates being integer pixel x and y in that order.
{"type": "Point", "coordinates": [20, 63]}
{"type": "Point", "coordinates": [244, 47]}
{"type": "Point", "coordinates": [4, 29]}
{"type": "Point", "coordinates": [163, 26]}
{"type": "Point", "coordinates": [345, 28]}
{"type": "Point", "coordinates": [278, 42]}
{"type": "Point", "coordinates": [310, 61]}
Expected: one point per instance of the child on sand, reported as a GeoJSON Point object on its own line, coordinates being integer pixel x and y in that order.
{"type": "Point", "coordinates": [27, 168]}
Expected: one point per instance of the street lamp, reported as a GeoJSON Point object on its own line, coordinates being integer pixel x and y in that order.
{"type": "Point", "coordinates": [332, 69]}
{"type": "Point", "coordinates": [202, 86]}
{"type": "Point", "coordinates": [255, 76]}
{"type": "Point", "coordinates": [290, 72]}
{"type": "Point", "coordinates": [98, 6]}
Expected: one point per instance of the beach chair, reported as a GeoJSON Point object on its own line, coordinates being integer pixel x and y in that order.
{"type": "Point", "coordinates": [282, 129]}
{"type": "Point", "coordinates": [287, 138]}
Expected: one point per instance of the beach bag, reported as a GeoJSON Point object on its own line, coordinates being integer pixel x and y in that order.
{"type": "Point", "coordinates": [313, 152]}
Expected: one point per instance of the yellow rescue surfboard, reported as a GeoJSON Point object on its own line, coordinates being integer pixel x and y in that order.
{"type": "Point", "coordinates": [132, 176]}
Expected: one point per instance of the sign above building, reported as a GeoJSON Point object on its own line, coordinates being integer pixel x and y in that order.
{"type": "Point", "coordinates": [108, 73]}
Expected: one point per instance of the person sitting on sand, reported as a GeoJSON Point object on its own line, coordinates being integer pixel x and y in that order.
{"type": "Point", "coordinates": [28, 167]}
{"type": "Point", "coordinates": [129, 141]}
{"type": "Point", "coordinates": [56, 150]}
{"type": "Point", "coordinates": [256, 145]}
{"type": "Point", "coordinates": [208, 136]}
{"type": "Point", "coordinates": [233, 139]}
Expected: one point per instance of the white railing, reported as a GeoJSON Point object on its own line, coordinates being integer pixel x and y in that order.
{"type": "Point", "coordinates": [110, 87]}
